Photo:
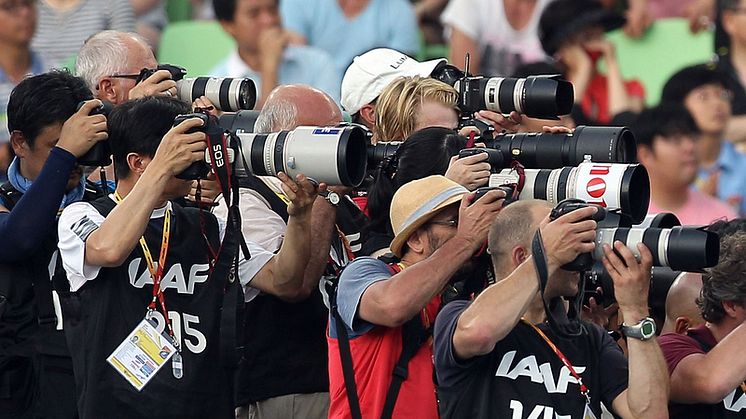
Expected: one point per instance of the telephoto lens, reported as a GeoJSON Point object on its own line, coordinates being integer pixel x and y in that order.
{"type": "Point", "coordinates": [226, 94]}
{"type": "Point", "coordinates": [381, 151]}
{"type": "Point", "coordinates": [551, 151]}
{"type": "Point", "coordinates": [545, 97]}
{"type": "Point", "coordinates": [688, 249]}
{"type": "Point", "coordinates": [623, 187]}
{"type": "Point", "coordinates": [241, 120]}
{"type": "Point", "coordinates": [333, 155]}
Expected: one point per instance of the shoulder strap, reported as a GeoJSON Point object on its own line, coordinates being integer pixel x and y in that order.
{"type": "Point", "coordinates": [275, 202]}
{"type": "Point", "coordinates": [9, 195]}
{"type": "Point", "coordinates": [345, 353]}
{"type": "Point", "coordinates": [414, 335]}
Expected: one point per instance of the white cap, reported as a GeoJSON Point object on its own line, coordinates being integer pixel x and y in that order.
{"type": "Point", "coordinates": [371, 72]}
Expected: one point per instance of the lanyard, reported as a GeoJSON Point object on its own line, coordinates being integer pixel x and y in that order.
{"type": "Point", "coordinates": [156, 273]}
{"type": "Point", "coordinates": [563, 358]}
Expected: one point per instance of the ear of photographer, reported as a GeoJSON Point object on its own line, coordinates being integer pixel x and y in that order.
{"type": "Point", "coordinates": [385, 310]}
{"type": "Point", "coordinates": [497, 356]}
{"type": "Point", "coordinates": [143, 274]}
{"type": "Point", "coordinates": [44, 178]}
{"type": "Point", "coordinates": [283, 373]}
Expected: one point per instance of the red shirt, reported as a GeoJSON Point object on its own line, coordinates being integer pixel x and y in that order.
{"type": "Point", "coordinates": [374, 355]}
{"type": "Point", "coordinates": [595, 103]}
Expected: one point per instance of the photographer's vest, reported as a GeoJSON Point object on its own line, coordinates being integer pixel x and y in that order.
{"type": "Point", "coordinates": [105, 310]}
{"type": "Point", "coordinates": [28, 319]}
{"type": "Point", "coordinates": [286, 350]}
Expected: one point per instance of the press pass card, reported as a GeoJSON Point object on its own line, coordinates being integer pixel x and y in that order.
{"type": "Point", "coordinates": [142, 354]}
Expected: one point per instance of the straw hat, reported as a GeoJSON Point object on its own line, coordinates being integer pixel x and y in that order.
{"type": "Point", "coordinates": [417, 202]}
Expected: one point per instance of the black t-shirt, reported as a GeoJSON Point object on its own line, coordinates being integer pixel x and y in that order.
{"type": "Point", "coordinates": [110, 306]}
{"type": "Point", "coordinates": [522, 377]}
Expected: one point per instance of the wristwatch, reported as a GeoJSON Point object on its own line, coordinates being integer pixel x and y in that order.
{"type": "Point", "coordinates": [331, 197]}
{"type": "Point", "coordinates": [643, 330]}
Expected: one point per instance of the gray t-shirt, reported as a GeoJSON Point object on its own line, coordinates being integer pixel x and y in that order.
{"type": "Point", "coordinates": [355, 279]}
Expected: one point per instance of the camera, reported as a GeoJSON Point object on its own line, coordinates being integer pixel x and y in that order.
{"type": "Point", "coordinates": [545, 97]}
{"type": "Point", "coordinates": [227, 94]}
{"type": "Point", "coordinates": [688, 249]}
{"type": "Point", "coordinates": [623, 187]}
{"type": "Point", "coordinates": [381, 151]}
{"type": "Point", "coordinates": [100, 153]}
{"type": "Point", "coordinates": [334, 155]}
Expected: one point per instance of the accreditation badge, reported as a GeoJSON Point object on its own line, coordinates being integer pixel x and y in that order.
{"type": "Point", "coordinates": [588, 414]}
{"type": "Point", "coordinates": [142, 354]}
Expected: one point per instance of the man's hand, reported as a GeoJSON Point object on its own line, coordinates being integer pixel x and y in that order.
{"type": "Point", "coordinates": [631, 278]}
{"type": "Point", "coordinates": [700, 13]}
{"type": "Point", "coordinates": [475, 217]}
{"type": "Point", "coordinates": [470, 172]}
{"type": "Point", "coordinates": [597, 313]}
{"type": "Point", "coordinates": [638, 20]}
{"type": "Point", "coordinates": [568, 236]}
{"type": "Point", "coordinates": [82, 130]}
{"type": "Point", "coordinates": [602, 45]}
{"type": "Point", "coordinates": [272, 43]}
{"type": "Point", "coordinates": [209, 190]}
{"type": "Point", "coordinates": [301, 192]}
{"type": "Point", "coordinates": [499, 122]}
{"type": "Point", "coordinates": [203, 102]}
{"type": "Point", "coordinates": [178, 149]}
{"type": "Point", "coordinates": [158, 84]}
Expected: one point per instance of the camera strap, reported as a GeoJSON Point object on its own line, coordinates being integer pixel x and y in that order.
{"type": "Point", "coordinates": [226, 260]}
{"type": "Point", "coordinates": [568, 329]}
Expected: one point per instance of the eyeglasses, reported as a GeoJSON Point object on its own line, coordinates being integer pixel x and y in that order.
{"type": "Point", "coordinates": [13, 7]}
{"type": "Point", "coordinates": [708, 95]}
{"type": "Point", "coordinates": [448, 223]}
{"type": "Point", "coordinates": [126, 76]}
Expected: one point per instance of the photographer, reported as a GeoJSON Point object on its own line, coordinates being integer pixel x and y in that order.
{"type": "Point", "coordinates": [283, 372]}
{"type": "Point", "coordinates": [496, 356]}
{"type": "Point", "coordinates": [48, 136]}
{"type": "Point", "coordinates": [384, 307]}
{"type": "Point", "coordinates": [110, 62]}
{"type": "Point", "coordinates": [370, 73]}
{"type": "Point", "coordinates": [706, 363]}
{"type": "Point", "coordinates": [111, 281]}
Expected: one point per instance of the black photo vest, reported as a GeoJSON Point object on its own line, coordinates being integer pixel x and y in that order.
{"type": "Point", "coordinates": [106, 309]}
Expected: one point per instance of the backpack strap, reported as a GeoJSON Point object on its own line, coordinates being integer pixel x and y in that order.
{"type": "Point", "coordinates": [277, 204]}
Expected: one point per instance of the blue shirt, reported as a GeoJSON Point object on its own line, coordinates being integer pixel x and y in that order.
{"type": "Point", "coordinates": [732, 182]}
{"type": "Point", "coordinates": [383, 23]}
{"type": "Point", "coordinates": [355, 279]}
{"type": "Point", "coordinates": [300, 65]}
{"type": "Point", "coordinates": [6, 86]}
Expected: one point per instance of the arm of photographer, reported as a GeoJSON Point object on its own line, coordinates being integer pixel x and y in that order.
{"type": "Point", "coordinates": [394, 301]}
{"type": "Point", "coordinates": [646, 395]}
{"type": "Point", "coordinates": [35, 214]}
{"type": "Point", "coordinates": [283, 275]}
{"type": "Point", "coordinates": [496, 311]}
{"type": "Point", "coordinates": [143, 190]}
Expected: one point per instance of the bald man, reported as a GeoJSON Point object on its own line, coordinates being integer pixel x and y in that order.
{"type": "Point", "coordinates": [682, 312]}
{"type": "Point", "coordinates": [284, 369]}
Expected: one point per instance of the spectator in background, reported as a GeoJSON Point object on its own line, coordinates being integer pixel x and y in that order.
{"type": "Point", "coordinates": [706, 364]}
{"type": "Point", "coordinates": [347, 28]}
{"type": "Point", "coordinates": [733, 66]}
{"type": "Point", "coordinates": [722, 169]}
{"type": "Point", "coordinates": [17, 60]}
{"type": "Point", "coordinates": [428, 19]}
{"type": "Point", "coordinates": [64, 25]}
{"type": "Point", "coordinates": [265, 52]}
{"type": "Point", "coordinates": [666, 145]}
{"type": "Point", "coordinates": [409, 104]}
{"type": "Point", "coordinates": [370, 73]}
{"type": "Point", "coordinates": [150, 20]}
{"type": "Point", "coordinates": [572, 31]}
{"type": "Point", "coordinates": [499, 35]}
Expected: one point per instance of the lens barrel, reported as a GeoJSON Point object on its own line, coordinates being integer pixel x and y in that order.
{"type": "Point", "coordinates": [226, 94]}
{"type": "Point", "coordinates": [333, 155]}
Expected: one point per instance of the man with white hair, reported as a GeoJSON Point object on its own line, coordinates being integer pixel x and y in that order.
{"type": "Point", "coordinates": [110, 63]}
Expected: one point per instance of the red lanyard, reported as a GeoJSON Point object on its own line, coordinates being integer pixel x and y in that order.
{"type": "Point", "coordinates": [563, 358]}
{"type": "Point", "coordinates": [156, 273]}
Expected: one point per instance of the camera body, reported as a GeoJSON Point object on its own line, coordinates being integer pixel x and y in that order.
{"type": "Point", "coordinates": [198, 169]}
{"type": "Point", "coordinates": [100, 153]}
